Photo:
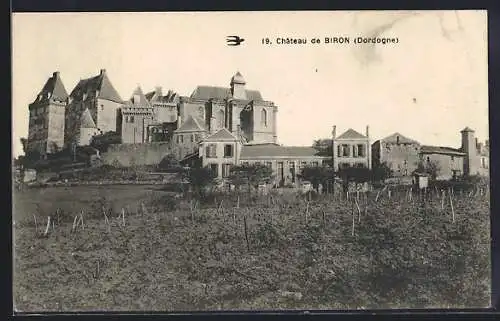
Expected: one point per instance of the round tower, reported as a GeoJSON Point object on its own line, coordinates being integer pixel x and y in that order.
{"type": "Point", "coordinates": [470, 149]}
{"type": "Point", "coordinates": [238, 86]}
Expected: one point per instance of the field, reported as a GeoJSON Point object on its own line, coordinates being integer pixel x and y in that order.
{"type": "Point", "coordinates": [375, 250]}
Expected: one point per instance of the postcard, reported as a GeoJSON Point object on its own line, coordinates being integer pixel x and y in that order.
{"type": "Point", "coordinates": [250, 161]}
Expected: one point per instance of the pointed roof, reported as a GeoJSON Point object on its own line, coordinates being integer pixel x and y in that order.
{"type": "Point", "coordinates": [138, 98]}
{"type": "Point", "coordinates": [467, 129]}
{"type": "Point", "coordinates": [99, 86]}
{"type": "Point", "coordinates": [351, 134]}
{"type": "Point", "coordinates": [53, 89]}
{"type": "Point", "coordinates": [238, 79]}
{"type": "Point", "coordinates": [402, 139]}
{"type": "Point", "coordinates": [221, 135]}
{"type": "Point", "coordinates": [86, 120]}
{"type": "Point", "coordinates": [192, 124]}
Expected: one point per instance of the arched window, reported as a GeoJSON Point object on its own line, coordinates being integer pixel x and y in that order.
{"type": "Point", "coordinates": [263, 117]}
{"type": "Point", "coordinates": [221, 118]}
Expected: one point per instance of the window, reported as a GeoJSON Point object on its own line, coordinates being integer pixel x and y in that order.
{"type": "Point", "coordinates": [361, 150]}
{"type": "Point", "coordinates": [131, 119]}
{"type": "Point", "coordinates": [226, 170]}
{"type": "Point", "coordinates": [339, 150]}
{"type": "Point", "coordinates": [211, 150]}
{"type": "Point", "coordinates": [428, 159]}
{"type": "Point", "coordinates": [303, 164]}
{"type": "Point", "coordinates": [257, 163]}
{"type": "Point", "coordinates": [269, 164]}
{"type": "Point", "coordinates": [244, 163]}
{"type": "Point", "coordinates": [181, 138]}
{"type": "Point", "coordinates": [178, 139]}
{"type": "Point", "coordinates": [192, 138]}
{"type": "Point", "coordinates": [221, 118]}
{"type": "Point", "coordinates": [215, 169]}
{"type": "Point", "coordinates": [196, 137]}
{"type": "Point", "coordinates": [102, 107]}
{"type": "Point", "coordinates": [452, 158]}
{"type": "Point", "coordinates": [345, 149]}
{"type": "Point", "coordinates": [263, 118]}
{"type": "Point", "coordinates": [228, 150]}
{"type": "Point", "coordinates": [291, 165]}
{"type": "Point", "coordinates": [354, 151]}
{"type": "Point", "coordinates": [316, 164]}
{"type": "Point", "coordinates": [360, 165]}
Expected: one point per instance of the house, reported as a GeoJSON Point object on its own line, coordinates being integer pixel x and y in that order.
{"type": "Point", "coordinates": [399, 153]}
{"type": "Point", "coordinates": [351, 149]}
{"type": "Point", "coordinates": [188, 136]}
{"type": "Point", "coordinates": [222, 150]}
{"type": "Point", "coordinates": [449, 161]}
{"type": "Point", "coordinates": [46, 117]}
{"type": "Point", "coordinates": [98, 95]}
{"type": "Point", "coordinates": [134, 118]}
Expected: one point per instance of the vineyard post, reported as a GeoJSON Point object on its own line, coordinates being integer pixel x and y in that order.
{"type": "Point", "coordinates": [359, 211]}
{"type": "Point", "coordinates": [81, 220]}
{"type": "Point", "coordinates": [352, 214]}
{"type": "Point", "coordinates": [74, 223]}
{"type": "Point", "coordinates": [47, 228]}
{"type": "Point", "coordinates": [307, 210]}
{"type": "Point", "coordinates": [246, 231]}
{"type": "Point", "coordinates": [36, 225]}
{"type": "Point", "coordinates": [452, 209]}
{"type": "Point", "coordinates": [443, 192]}
{"type": "Point", "coordinates": [238, 202]}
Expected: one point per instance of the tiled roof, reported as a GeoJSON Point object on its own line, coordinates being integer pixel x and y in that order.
{"type": "Point", "coordinates": [86, 120]}
{"type": "Point", "coordinates": [274, 150]}
{"type": "Point", "coordinates": [402, 139]}
{"type": "Point", "coordinates": [351, 134]}
{"type": "Point", "coordinates": [221, 135]}
{"type": "Point", "coordinates": [221, 93]}
{"type": "Point", "coordinates": [191, 124]}
{"type": "Point", "coordinates": [426, 149]}
{"type": "Point", "coordinates": [102, 83]}
{"type": "Point", "coordinates": [55, 87]}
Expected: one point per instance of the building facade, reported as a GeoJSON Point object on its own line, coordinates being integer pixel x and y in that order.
{"type": "Point", "coordinates": [399, 153]}
{"type": "Point", "coordinates": [134, 118]}
{"type": "Point", "coordinates": [47, 117]}
{"type": "Point", "coordinates": [98, 95]}
{"type": "Point", "coordinates": [351, 149]}
{"type": "Point", "coordinates": [188, 136]}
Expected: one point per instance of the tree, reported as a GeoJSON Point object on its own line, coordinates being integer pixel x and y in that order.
{"type": "Point", "coordinates": [324, 146]}
{"type": "Point", "coordinates": [199, 179]}
{"type": "Point", "coordinates": [430, 167]}
{"type": "Point", "coordinates": [381, 172]}
{"type": "Point", "coordinates": [101, 142]}
{"type": "Point", "coordinates": [169, 164]}
{"type": "Point", "coordinates": [252, 175]}
{"type": "Point", "coordinates": [318, 175]}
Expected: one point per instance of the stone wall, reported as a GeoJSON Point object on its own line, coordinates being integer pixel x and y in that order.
{"type": "Point", "coordinates": [136, 154]}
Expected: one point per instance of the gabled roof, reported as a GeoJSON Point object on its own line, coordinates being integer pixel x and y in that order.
{"type": "Point", "coordinates": [351, 134]}
{"type": "Point", "coordinates": [192, 124]}
{"type": "Point", "coordinates": [86, 120]}
{"type": "Point", "coordinates": [426, 149]}
{"type": "Point", "coordinates": [99, 83]}
{"type": "Point", "coordinates": [54, 88]}
{"type": "Point", "coordinates": [274, 150]}
{"type": "Point", "coordinates": [221, 135]}
{"type": "Point", "coordinates": [402, 139]}
{"type": "Point", "coordinates": [221, 93]}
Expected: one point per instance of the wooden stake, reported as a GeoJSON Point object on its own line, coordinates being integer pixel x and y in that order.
{"type": "Point", "coordinates": [442, 199]}
{"type": "Point", "coordinates": [246, 231]}
{"type": "Point", "coordinates": [352, 212]}
{"type": "Point", "coordinates": [74, 223]}
{"type": "Point", "coordinates": [36, 224]}
{"type": "Point", "coordinates": [359, 211]}
{"type": "Point", "coordinates": [324, 214]}
{"type": "Point", "coordinates": [48, 225]}
{"type": "Point", "coordinates": [307, 210]}
{"type": "Point", "coordinates": [238, 202]}
{"type": "Point", "coordinates": [81, 220]}
{"type": "Point", "coordinates": [123, 217]}
{"type": "Point", "coordinates": [452, 209]}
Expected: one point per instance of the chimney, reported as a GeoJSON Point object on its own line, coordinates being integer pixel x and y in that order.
{"type": "Point", "coordinates": [212, 124]}
{"type": "Point", "coordinates": [103, 71]}
{"type": "Point", "coordinates": [158, 90]}
{"type": "Point", "coordinates": [179, 121]}
{"type": "Point", "coordinates": [334, 132]}
{"type": "Point", "coordinates": [367, 131]}
{"type": "Point", "coordinates": [56, 74]}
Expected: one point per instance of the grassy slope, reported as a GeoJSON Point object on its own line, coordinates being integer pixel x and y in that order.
{"type": "Point", "coordinates": [402, 254]}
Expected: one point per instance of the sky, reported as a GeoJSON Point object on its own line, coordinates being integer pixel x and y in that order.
{"type": "Point", "coordinates": [428, 86]}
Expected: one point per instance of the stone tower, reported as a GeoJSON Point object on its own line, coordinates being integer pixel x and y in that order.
{"type": "Point", "coordinates": [470, 149]}
{"type": "Point", "coordinates": [46, 120]}
{"type": "Point", "coordinates": [238, 86]}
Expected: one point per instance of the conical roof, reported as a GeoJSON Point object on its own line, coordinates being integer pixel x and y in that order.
{"type": "Point", "coordinates": [238, 79]}
{"type": "Point", "coordinates": [86, 120]}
